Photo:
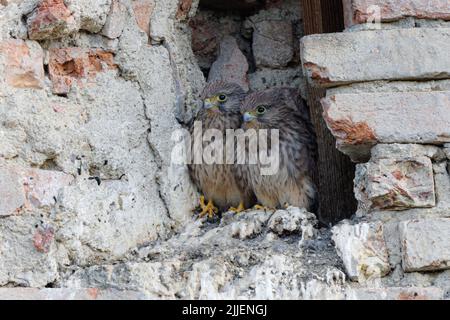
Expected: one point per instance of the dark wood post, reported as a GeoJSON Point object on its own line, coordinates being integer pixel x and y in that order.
{"type": "Point", "coordinates": [335, 171]}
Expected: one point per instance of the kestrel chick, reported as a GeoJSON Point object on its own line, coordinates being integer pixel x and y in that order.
{"type": "Point", "coordinates": [217, 182]}
{"type": "Point", "coordinates": [282, 109]}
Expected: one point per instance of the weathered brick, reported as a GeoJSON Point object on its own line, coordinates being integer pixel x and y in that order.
{"type": "Point", "coordinates": [399, 184]}
{"type": "Point", "coordinates": [362, 11]}
{"type": "Point", "coordinates": [115, 21]}
{"type": "Point", "coordinates": [68, 294]}
{"type": "Point", "coordinates": [363, 250]}
{"type": "Point", "coordinates": [142, 12]}
{"type": "Point", "coordinates": [11, 192]}
{"type": "Point", "coordinates": [72, 65]}
{"type": "Point", "coordinates": [425, 244]}
{"type": "Point", "coordinates": [231, 65]}
{"type": "Point", "coordinates": [396, 293]}
{"type": "Point", "coordinates": [207, 32]}
{"type": "Point", "coordinates": [273, 43]}
{"type": "Point", "coordinates": [42, 186]}
{"type": "Point", "coordinates": [359, 121]}
{"type": "Point", "coordinates": [23, 63]}
{"type": "Point", "coordinates": [51, 20]}
{"type": "Point", "coordinates": [25, 188]}
{"type": "Point", "coordinates": [341, 58]}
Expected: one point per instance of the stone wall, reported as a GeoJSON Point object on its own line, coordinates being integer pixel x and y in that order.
{"type": "Point", "coordinates": [90, 94]}
{"type": "Point", "coordinates": [91, 206]}
{"type": "Point", "coordinates": [387, 104]}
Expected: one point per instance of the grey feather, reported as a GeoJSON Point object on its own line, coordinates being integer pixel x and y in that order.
{"type": "Point", "coordinates": [293, 183]}
{"type": "Point", "coordinates": [218, 182]}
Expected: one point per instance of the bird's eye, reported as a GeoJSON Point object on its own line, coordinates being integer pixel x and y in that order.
{"type": "Point", "coordinates": [222, 98]}
{"type": "Point", "coordinates": [261, 110]}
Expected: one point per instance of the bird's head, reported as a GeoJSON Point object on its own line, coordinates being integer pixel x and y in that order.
{"type": "Point", "coordinates": [266, 109]}
{"type": "Point", "coordinates": [221, 97]}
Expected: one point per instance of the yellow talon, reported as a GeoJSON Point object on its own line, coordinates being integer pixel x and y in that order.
{"type": "Point", "coordinates": [259, 207]}
{"type": "Point", "coordinates": [240, 208]}
{"type": "Point", "coordinates": [207, 209]}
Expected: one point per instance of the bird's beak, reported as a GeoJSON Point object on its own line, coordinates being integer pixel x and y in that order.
{"type": "Point", "coordinates": [248, 117]}
{"type": "Point", "coordinates": [211, 104]}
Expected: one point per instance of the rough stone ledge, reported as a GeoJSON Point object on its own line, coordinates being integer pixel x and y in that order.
{"type": "Point", "coordinates": [68, 294]}
{"type": "Point", "coordinates": [360, 121]}
{"type": "Point", "coordinates": [394, 293]}
{"type": "Point", "coordinates": [388, 293]}
{"type": "Point", "coordinates": [330, 59]}
{"type": "Point", "coordinates": [251, 255]}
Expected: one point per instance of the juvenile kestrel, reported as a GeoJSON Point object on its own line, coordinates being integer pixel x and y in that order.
{"type": "Point", "coordinates": [217, 182]}
{"type": "Point", "coordinates": [282, 109]}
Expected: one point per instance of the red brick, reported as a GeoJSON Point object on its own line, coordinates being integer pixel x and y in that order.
{"type": "Point", "coordinates": [71, 65]}
{"type": "Point", "coordinates": [142, 12]}
{"type": "Point", "coordinates": [23, 64]}
{"type": "Point", "coordinates": [50, 20]}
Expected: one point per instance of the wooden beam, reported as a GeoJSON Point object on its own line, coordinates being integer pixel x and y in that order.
{"type": "Point", "coordinates": [335, 171]}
